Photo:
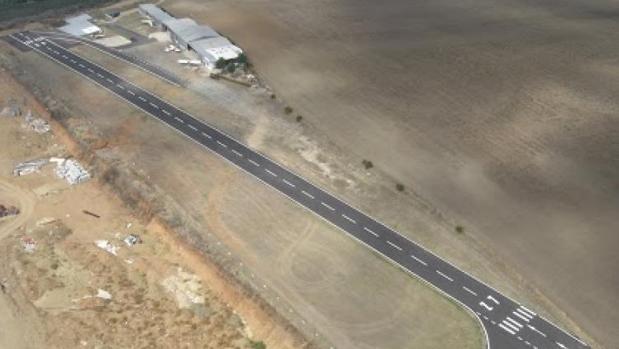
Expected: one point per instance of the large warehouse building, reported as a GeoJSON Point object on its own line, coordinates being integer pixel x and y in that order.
{"type": "Point", "coordinates": [189, 35]}
{"type": "Point", "coordinates": [155, 14]}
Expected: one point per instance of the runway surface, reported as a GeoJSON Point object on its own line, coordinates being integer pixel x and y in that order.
{"type": "Point", "coordinates": [507, 324]}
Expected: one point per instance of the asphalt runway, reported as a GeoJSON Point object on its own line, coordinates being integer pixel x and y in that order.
{"type": "Point", "coordinates": [507, 324]}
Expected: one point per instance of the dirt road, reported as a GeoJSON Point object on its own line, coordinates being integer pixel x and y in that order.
{"type": "Point", "coordinates": [24, 200]}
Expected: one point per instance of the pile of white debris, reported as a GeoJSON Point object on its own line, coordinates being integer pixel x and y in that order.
{"type": "Point", "coordinates": [70, 170]}
{"type": "Point", "coordinates": [28, 167]}
{"type": "Point", "coordinates": [38, 125]}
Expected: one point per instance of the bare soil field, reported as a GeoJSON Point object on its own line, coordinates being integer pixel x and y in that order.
{"type": "Point", "coordinates": [500, 114]}
{"type": "Point", "coordinates": [326, 285]}
{"type": "Point", "coordinates": [59, 290]}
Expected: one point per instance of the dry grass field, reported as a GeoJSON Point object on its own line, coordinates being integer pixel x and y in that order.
{"type": "Point", "coordinates": [502, 114]}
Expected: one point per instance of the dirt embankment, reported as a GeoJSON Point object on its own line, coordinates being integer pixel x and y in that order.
{"type": "Point", "coordinates": [163, 217]}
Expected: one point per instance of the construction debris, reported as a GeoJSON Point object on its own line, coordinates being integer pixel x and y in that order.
{"type": "Point", "coordinates": [8, 211]}
{"type": "Point", "coordinates": [70, 170]}
{"type": "Point", "coordinates": [132, 240]}
{"type": "Point", "coordinates": [91, 214]}
{"type": "Point", "coordinates": [38, 125]}
{"type": "Point", "coordinates": [12, 110]}
{"type": "Point", "coordinates": [107, 246]}
{"type": "Point", "coordinates": [46, 221]}
{"type": "Point", "coordinates": [29, 244]}
{"type": "Point", "coordinates": [28, 167]}
{"type": "Point", "coordinates": [103, 294]}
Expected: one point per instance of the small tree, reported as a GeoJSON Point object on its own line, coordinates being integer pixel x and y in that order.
{"type": "Point", "coordinates": [399, 187]}
{"type": "Point", "coordinates": [459, 229]}
{"type": "Point", "coordinates": [299, 118]}
{"type": "Point", "coordinates": [242, 58]}
{"type": "Point", "coordinates": [367, 164]}
{"type": "Point", "coordinates": [288, 110]}
{"type": "Point", "coordinates": [220, 64]}
{"type": "Point", "coordinates": [231, 68]}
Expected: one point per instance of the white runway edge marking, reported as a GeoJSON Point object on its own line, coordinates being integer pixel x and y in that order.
{"type": "Point", "coordinates": [307, 194]}
{"type": "Point", "coordinates": [165, 112]}
{"type": "Point", "coordinates": [419, 260]}
{"type": "Point", "coordinates": [289, 183]}
{"type": "Point", "coordinates": [327, 206]}
{"type": "Point", "coordinates": [469, 290]}
{"type": "Point", "coordinates": [444, 275]}
{"type": "Point", "coordinates": [270, 172]}
{"type": "Point", "coordinates": [206, 135]}
{"type": "Point", "coordinates": [179, 119]}
{"type": "Point", "coordinates": [370, 231]}
{"type": "Point", "coordinates": [507, 329]}
{"type": "Point", "coordinates": [222, 144]}
{"type": "Point", "coordinates": [349, 219]}
{"type": "Point", "coordinates": [536, 330]}
{"type": "Point", "coordinates": [192, 127]}
{"type": "Point", "coordinates": [394, 245]}
{"type": "Point", "coordinates": [253, 163]}
{"type": "Point", "coordinates": [237, 153]}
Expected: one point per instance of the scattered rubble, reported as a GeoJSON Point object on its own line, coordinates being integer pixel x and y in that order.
{"type": "Point", "coordinates": [29, 167]}
{"type": "Point", "coordinates": [103, 294]}
{"type": "Point", "coordinates": [46, 221]}
{"type": "Point", "coordinates": [29, 244]}
{"type": "Point", "coordinates": [185, 287]}
{"type": "Point", "coordinates": [8, 211]}
{"type": "Point", "coordinates": [132, 240]}
{"type": "Point", "coordinates": [38, 125]}
{"type": "Point", "coordinates": [12, 110]}
{"type": "Point", "coordinates": [70, 170]}
{"type": "Point", "coordinates": [107, 246]}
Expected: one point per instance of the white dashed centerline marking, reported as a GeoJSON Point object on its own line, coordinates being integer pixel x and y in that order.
{"type": "Point", "coordinates": [349, 219]}
{"type": "Point", "coordinates": [192, 127]}
{"type": "Point", "coordinates": [179, 119]}
{"type": "Point", "coordinates": [222, 144]}
{"type": "Point", "coordinates": [444, 275]}
{"type": "Point", "coordinates": [131, 92]}
{"type": "Point", "coordinates": [154, 105]}
{"type": "Point", "coordinates": [327, 206]}
{"type": "Point", "coordinates": [64, 56]}
{"type": "Point", "coordinates": [206, 135]}
{"type": "Point", "coordinates": [120, 86]}
{"type": "Point", "coordinates": [419, 260]}
{"type": "Point", "coordinates": [142, 98]}
{"type": "Point", "coordinates": [237, 153]}
{"type": "Point", "coordinates": [110, 81]}
{"type": "Point", "coordinates": [370, 231]}
{"type": "Point", "coordinates": [165, 112]}
{"type": "Point", "coordinates": [90, 70]}
{"type": "Point", "coordinates": [73, 61]}
{"type": "Point", "coordinates": [270, 172]}
{"type": "Point", "coordinates": [469, 290]}
{"type": "Point", "coordinates": [253, 163]}
{"type": "Point", "coordinates": [307, 194]}
{"type": "Point", "coordinates": [100, 75]}
{"type": "Point", "coordinates": [81, 65]}
{"type": "Point", "coordinates": [394, 245]}
{"type": "Point", "coordinates": [289, 183]}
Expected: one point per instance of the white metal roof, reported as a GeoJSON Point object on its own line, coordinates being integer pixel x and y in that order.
{"type": "Point", "coordinates": [156, 13]}
{"type": "Point", "coordinates": [80, 25]}
{"type": "Point", "coordinates": [188, 30]}
{"type": "Point", "coordinates": [216, 48]}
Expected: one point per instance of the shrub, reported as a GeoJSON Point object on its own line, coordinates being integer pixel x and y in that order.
{"type": "Point", "coordinates": [299, 118]}
{"type": "Point", "coordinates": [459, 229]}
{"type": "Point", "coordinates": [273, 96]}
{"type": "Point", "coordinates": [242, 58]}
{"type": "Point", "coordinates": [288, 110]}
{"type": "Point", "coordinates": [399, 187]}
{"type": "Point", "coordinates": [231, 68]}
{"type": "Point", "coordinates": [220, 64]}
{"type": "Point", "coordinates": [367, 164]}
{"type": "Point", "coordinates": [257, 344]}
